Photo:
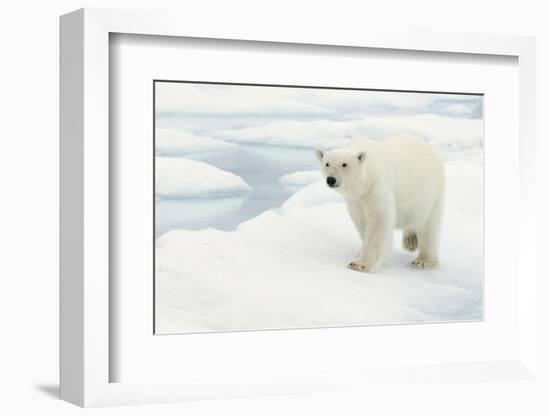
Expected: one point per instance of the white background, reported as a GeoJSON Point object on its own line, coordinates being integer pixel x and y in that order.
{"type": "Point", "coordinates": [29, 296]}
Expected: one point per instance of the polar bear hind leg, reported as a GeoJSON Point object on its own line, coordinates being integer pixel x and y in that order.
{"type": "Point", "coordinates": [428, 239]}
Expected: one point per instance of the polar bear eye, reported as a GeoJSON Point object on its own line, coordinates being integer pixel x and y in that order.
{"type": "Point", "coordinates": [327, 165]}
{"type": "Point", "coordinates": [344, 165]}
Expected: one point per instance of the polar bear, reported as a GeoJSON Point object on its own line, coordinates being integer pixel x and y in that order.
{"type": "Point", "coordinates": [396, 183]}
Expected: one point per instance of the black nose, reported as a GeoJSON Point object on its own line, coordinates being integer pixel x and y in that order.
{"type": "Point", "coordinates": [331, 180]}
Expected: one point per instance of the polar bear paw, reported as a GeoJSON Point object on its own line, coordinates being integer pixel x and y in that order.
{"type": "Point", "coordinates": [422, 263]}
{"type": "Point", "coordinates": [410, 241]}
{"type": "Point", "coordinates": [362, 266]}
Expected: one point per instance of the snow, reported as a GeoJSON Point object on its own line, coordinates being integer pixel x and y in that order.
{"type": "Point", "coordinates": [446, 133]}
{"type": "Point", "coordinates": [172, 141]}
{"type": "Point", "coordinates": [224, 100]}
{"type": "Point", "coordinates": [183, 178]}
{"type": "Point", "coordinates": [290, 133]}
{"type": "Point", "coordinates": [315, 194]}
{"type": "Point", "coordinates": [300, 178]}
{"type": "Point", "coordinates": [286, 268]}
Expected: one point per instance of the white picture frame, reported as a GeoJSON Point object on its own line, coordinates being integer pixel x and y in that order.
{"type": "Point", "coordinates": [85, 163]}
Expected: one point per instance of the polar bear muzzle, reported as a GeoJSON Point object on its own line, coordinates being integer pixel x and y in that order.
{"type": "Point", "coordinates": [331, 181]}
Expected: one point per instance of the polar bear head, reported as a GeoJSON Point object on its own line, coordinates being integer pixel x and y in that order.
{"type": "Point", "coordinates": [341, 167]}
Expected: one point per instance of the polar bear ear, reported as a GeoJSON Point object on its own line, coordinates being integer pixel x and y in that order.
{"type": "Point", "coordinates": [320, 154]}
{"type": "Point", "coordinates": [361, 156]}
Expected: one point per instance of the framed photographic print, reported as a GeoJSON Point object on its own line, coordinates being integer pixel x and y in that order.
{"type": "Point", "coordinates": [259, 212]}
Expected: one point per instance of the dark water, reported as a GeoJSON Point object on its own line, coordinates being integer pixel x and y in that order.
{"type": "Point", "coordinates": [259, 166]}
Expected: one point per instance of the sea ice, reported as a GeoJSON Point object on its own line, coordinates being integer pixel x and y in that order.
{"type": "Point", "coordinates": [446, 133]}
{"type": "Point", "coordinates": [178, 142]}
{"type": "Point", "coordinates": [285, 268]}
{"type": "Point", "coordinates": [177, 177]}
{"type": "Point", "coordinates": [300, 178]}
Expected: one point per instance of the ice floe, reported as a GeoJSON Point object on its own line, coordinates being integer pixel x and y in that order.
{"type": "Point", "coordinates": [178, 177]}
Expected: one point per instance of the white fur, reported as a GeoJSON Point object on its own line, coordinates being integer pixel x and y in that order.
{"type": "Point", "coordinates": [396, 183]}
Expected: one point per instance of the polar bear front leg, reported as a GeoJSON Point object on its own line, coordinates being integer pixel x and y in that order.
{"type": "Point", "coordinates": [370, 256]}
{"type": "Point", "coordinates": [377, 237]}
{"type": "Point", "coordinates": [356, 213]}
